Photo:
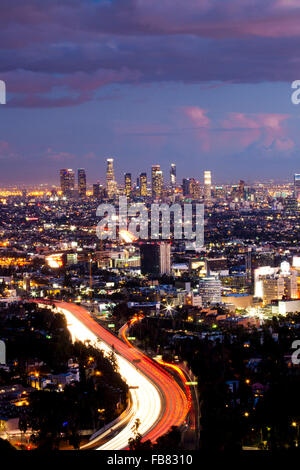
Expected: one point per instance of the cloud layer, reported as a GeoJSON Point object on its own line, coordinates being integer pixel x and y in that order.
{"type": "Point", "coordinates": [59, 54]}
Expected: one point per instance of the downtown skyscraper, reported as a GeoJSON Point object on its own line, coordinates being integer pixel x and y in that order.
{"type": "Point", "coordinates": [207, 187]}
{"type": "Point", "coordinates": [297, 186]}
{"type": "Point", "coordinates": [128, 184]}
{"type": "Point", "coordinates": [81, 182]}
{"type": "Point", "coordinates": [157, 181]}
{"type": "Point", "coordinates": [67, 181]}
{"type": "Point", "coordinates": [111, 184]}
{"type": "Point", "coordinates": [143, 184]}
{"type": "Point", "coordinates": [173, 176]}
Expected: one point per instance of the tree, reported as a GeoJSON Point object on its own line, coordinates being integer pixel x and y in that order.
{"type": "Point", "coordinates": [135, 442]}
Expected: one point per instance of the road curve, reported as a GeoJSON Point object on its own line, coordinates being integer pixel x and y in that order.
{"type": "Point", "coordinates": [159, 402]}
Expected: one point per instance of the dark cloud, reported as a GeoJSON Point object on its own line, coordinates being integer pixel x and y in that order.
{"type": "Point", "coordinates": [79, 46]}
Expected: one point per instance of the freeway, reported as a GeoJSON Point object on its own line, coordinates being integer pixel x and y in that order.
{"type": "Point", "coordinates": [157, 399]}
{"type": "Point", "coordinates": [178, 370]}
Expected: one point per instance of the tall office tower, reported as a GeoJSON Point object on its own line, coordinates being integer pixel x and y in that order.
{"type": "Point", "coordinates": [241, 189]}
{"type": "Point", "coordinates": [157, 181]}
{"type": "Point", "coordinates": [143, 184]}
{"type": "Point", "coordinates": [81, 182]}
{"type": "Point", "coordinates": [155, 258]}
{"type": "Point", "coordinates": [128, 185]}
{"type": "Point", "coordinates": [173, 176]}
{"type": "Point", "coordinates": [207, 187]}
{"type": "Point", "coordinates": [110, 174]}
{"type": "Point", "coordinates": [196, 190]}
{"type": "Point", "coordinates": [96, 190]}
{"type": "Point", "coordinates": [297, 186]}
{"type": "Point", "coordinates": [67, 181]}
{"type": "Point", "coordinates": [210, 289]}
{"type": "Point", "coordinates": [111, 185]}
{"type": "Point", "coordinates": [186, 186]}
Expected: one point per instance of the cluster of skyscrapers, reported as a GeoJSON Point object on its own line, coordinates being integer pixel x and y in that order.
{"type": "Point", "coordinates": [67, 182]}
{"type": "Point", "coordinates": [190, 186]}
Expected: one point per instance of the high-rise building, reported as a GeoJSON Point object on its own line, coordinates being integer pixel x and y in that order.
{"type": "Point", "coordinates": [155, 258]}
{"type": "Point", "coordinates": [191, 187]}
{"type": "Point", "coordinates": [67, 181]}
{"type": "Point", "coordinates": [241, 190]}
{"type": "Point", "coordinates": [128, 185]}
{"type": "Point", "coordinates": [143, 184]}
{"type": "Point", "coordinates": [210, 289]}
{"type": "Point", "coordinates": [297, 186]}
{"type": "Point", "coordinates": [157, 181]}
{"type": "Point", "coordinates": [186, 186]}
{"type": "Point", "coordinates": [96, 191]}
{"type": "Point", "coordinates": [173, 175]}
{"type": "Point", "coordinates": [81, 182]}
{"type": "Point", "coordinates": [196, 189]}
{"type": "Point", "coordinates": [110, 174]}
{"type": "Point", "coordinates": [207, 187]}
{"type": "Point", "coordinates": [111, 185]}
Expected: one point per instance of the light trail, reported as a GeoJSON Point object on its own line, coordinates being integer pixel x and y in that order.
{"type": "Point", "coordinates": [176, 368]}
{"type": "Point", "coordinates": [159, 402]}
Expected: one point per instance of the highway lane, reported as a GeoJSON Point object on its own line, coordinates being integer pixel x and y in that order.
{"type": "Point", "coordinates": [178, 370]}
{"type": "Point", "coordinates": [159, 402]}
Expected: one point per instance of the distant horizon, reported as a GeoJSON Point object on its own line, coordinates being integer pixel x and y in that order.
{"type": "Point", "coordinates": [120, 181]}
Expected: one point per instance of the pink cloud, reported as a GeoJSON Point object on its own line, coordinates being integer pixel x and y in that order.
{"type": "Point", "coordinates": [265, 129]}
{"type": "Point", "coordinates": [197, 115]}
{"type": "Point", "coordinates": [237, 131]}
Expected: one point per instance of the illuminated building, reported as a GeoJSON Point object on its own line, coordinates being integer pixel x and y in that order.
{"type": "Point", "coordinates": [275, 283]}
{"type": "Point", "coordinates": [219, 192]}
{"type": "Point", "coordinates": [240, 301]}
{"type": "Point", "coordinates": [196, 189]}
{"type": "Point", "coordinates": [241, 189]}
{"type": "Point", "coordinates": [128, 185]}
{"type": "Point", "coordinates": [9, 261]}
{"type": "Point", "coordinates": [155, 258]}
{"type": "Point", "coordinates": [191, 187]}
{"type": "Point", "coordinates": [272, 288]}
{"type": "Point", "coordinates": [55, 261]}
{"type": "Point", "coordinates": [193, 300]}
{"type": "Point", "coordinates": [67, 181]}
{"type": "Point", "coordinates": [173, 175]}
{"type": "Point", "coordinates": [297, 186]}
{"type": "Point", "coordinates": [216, 265]}
{"type": "Point", "coordinates": [143, 184]}
{"type": "Point", "coordinates": [157, 181]}
{"type": "Point", "coordinates": [207, 187]}
{"type": "Point", "coordinates": [111, 184]}
{"type": "Point", "coordinates": [288, 306]}
{"type": "Point", "coordinates": [110, 175]}
{"type": "Point", "coordinates": [210, 289]}
{"type": "Point", "coordinates": [186, 186]}
{"type": "Point", "coordinates": [96, 191]}
{"type": "Point", "coordinates": [81, 183]}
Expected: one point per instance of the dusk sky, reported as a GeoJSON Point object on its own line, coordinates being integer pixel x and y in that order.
{"type": "Point", "coordinates": [205, 84]}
